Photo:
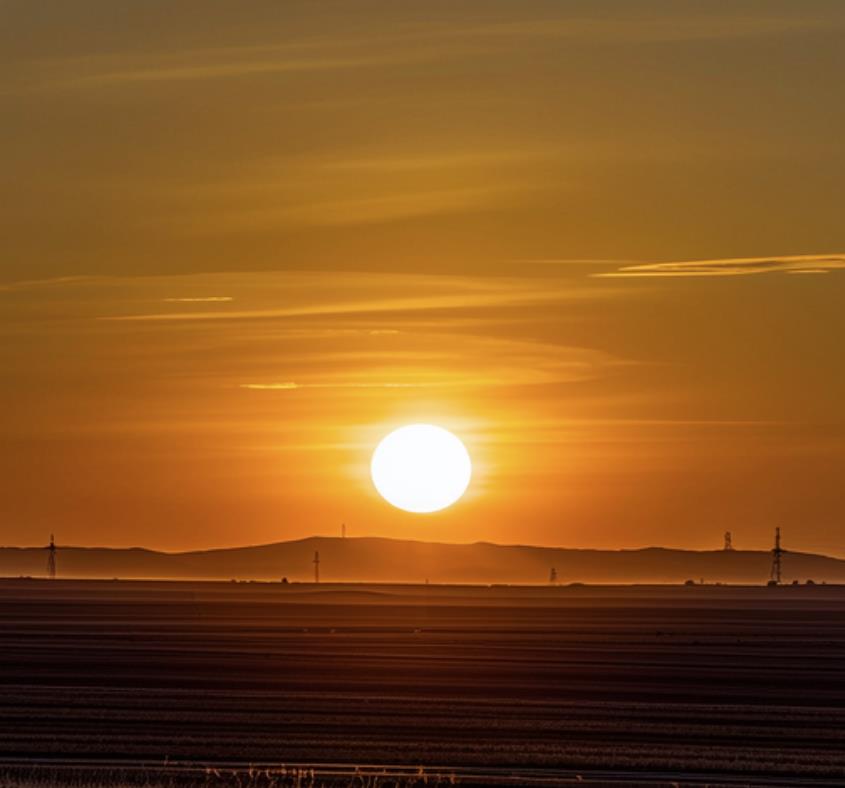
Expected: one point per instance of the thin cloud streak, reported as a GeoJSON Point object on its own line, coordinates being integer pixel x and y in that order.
{"type": "Point", "coordinates": [463, 300]}
{"type": "Point", "coordinates": [420, 42]}
{"type": "Point", "coordinates": [216, 71]}
{"type": "Point", "coordinates": [199, 300]}
{"type": "Point", "coordinates": [739, 266]}
{"type": "Point", "coordinates": [379, 208]}
{"type": "Point", "coordinates": [344, 332]}
{"type": "Point", "coordinates": [292, 386]}
{"type": "Point", "coordinates": [27, 284]}
{"type": "Point", "coordinates": [664, 30]}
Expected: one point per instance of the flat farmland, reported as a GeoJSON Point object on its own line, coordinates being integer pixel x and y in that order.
{"type": "Point", "coordinates": [739, 685]}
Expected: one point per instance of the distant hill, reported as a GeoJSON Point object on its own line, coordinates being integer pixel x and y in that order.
{"type": "Point", "coordinates": [373, 559]}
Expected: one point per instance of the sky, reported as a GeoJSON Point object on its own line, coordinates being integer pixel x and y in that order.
{"type": "Point", "coordinates": [602, 242]}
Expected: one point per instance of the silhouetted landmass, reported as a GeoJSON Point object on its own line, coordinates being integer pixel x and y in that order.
{"type": "Point", "coordinates": [373, 559]}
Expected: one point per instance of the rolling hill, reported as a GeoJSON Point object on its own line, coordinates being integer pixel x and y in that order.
{"type": "Point", "coordinates": [375, 559]}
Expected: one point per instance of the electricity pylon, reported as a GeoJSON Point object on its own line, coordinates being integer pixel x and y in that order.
{"type": "Point", "coordinates": [51, 558]}
{"type": "Point", "coordinates": [777, 552]}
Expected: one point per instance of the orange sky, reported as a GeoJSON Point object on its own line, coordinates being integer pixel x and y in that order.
{"type": "Point", "coordinates": [600, 242]}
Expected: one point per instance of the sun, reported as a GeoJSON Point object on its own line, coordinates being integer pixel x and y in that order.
{"type": "Point", "coordinates": [421, 468]}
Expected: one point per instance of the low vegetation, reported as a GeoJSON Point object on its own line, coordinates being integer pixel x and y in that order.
{"type": "Point", "coordinates": [199, 777]}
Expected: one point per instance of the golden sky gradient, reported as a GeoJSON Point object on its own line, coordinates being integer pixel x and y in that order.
{"type": "Point", "coordinates": [600, 241]}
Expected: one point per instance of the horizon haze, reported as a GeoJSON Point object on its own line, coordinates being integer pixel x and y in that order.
{"type": "Point", "coordinates": [363, 560]}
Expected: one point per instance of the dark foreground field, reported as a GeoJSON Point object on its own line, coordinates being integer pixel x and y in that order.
{"type": "Point", "coordinates": [729, 685]}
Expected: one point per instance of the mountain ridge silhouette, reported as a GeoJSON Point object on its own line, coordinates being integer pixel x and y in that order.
{"type": "Point", "coordinates": [391, 560]}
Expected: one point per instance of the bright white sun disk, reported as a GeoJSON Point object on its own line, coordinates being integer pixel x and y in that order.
{"type": "Point", "coordinates": [421, 468]}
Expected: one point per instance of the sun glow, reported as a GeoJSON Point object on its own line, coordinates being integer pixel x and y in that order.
{"type": "Point", "coordinates": [421, 468]}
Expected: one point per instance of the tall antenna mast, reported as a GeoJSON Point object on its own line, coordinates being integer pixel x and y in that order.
{"type": "Point", "coordinates": [343, 531]}
{"type": "Point", "coordinates": [316, 566]}
{"type": "Point", "coordinates": [51, 558]}
{"type": "Point", "coordinates": [777, 552]}
{"type": "Point", "coordinates": [728, 541]}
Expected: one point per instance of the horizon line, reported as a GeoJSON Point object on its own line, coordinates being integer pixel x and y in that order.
{"type": "Point", "coordinates": [517, 545]}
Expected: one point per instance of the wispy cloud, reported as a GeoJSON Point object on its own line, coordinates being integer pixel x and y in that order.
{"type": "Point", "coordinates": [218, 70]}
{"type": "Point", "coordinates": [205, 63]}
{"type": "Point", "coordinates": [392, 44]}
{"type": "Point", "coordinates": [198, 300]}
{"type": "Point", "coordinates": [329, 190]}
{"type": "Point", "coordinates": [738, 266]}
{"type": "Point", "coordinates": [342, 52]}
{"type": "Point", "coordinates": [292, 386]}
{"type": "Point", "coordinates": [52, 282]}
{"type": "Point", "coordinates": [340, 331]}
{"type": "Point", "coordinates": [666, 28]}
{"type": "Point", "coordinates": [391, 205]}
{"type": "Point", "coordinates": [376, 293]}
{"type": "Point", "coordinates": [442, 361]}
{"type": "Point", "coordinates": [445, 160]}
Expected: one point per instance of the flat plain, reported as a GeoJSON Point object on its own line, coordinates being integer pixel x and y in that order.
{"type": "Point", "coordinates": [515, 685]}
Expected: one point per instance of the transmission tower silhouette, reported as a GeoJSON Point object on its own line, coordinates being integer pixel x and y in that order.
{"type": "Point", "coordinates": [553, 576]}
{"type": "Point", "coordinates": [51, 558]}
{"type": "Point", "coordinates": [728, 541]}
{"type": "Point", "coordinates": [777, 553]}
{"type": "Point", "coordinates": [316, 566]}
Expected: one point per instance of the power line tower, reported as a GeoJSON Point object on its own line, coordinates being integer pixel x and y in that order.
{"type": "Point", "coordinates": [51, 558]}
{"type": "Point", "coordinates": [777, 553]}
{"type": "Point", "coordinates": [728, 541]}
{"type": "Point", "coordinates": [343, 531]}
{"type": "Point", "coordinates": [553, 576]}
{"type": "Point", "coordinates": [316, 566]}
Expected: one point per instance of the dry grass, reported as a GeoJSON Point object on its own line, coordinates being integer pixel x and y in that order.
{"type": "Point", "coordinates": [275, 777]}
